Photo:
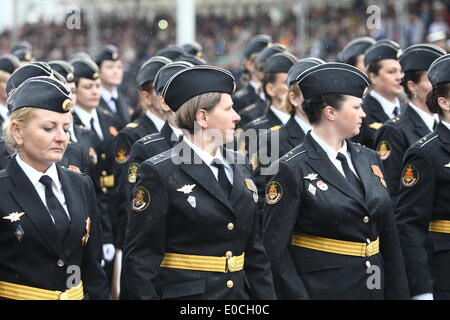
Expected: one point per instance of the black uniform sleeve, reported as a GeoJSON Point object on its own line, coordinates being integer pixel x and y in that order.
{"type": "Point", "coordinates": [414, 209]}
{"type": "Point", "coordinates": [279, 220]}
{"type": "Point", "coordinates": [146, 235]}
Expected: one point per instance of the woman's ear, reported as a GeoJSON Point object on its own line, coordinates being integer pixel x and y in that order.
{"type": "Point", "coordinates": [293, 99]}
{"type": "Point", "coordinates": [16, 132]}
{"type": "Point", "coordinates": [412, 87]}
{"type": "Point", "coordinates": [201, 117]}
{"type": "Point", "coordinates": [444, 104]}
{"type": "Point", "coordinates": [330, 113]}
{"type": "Point", "coordinates": [270, 89]}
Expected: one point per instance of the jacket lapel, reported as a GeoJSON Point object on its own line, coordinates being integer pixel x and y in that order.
{"type": "Point", "coordinates": [319, 161]}
{"type": "Point", "coordinates": [238, 183]}
{"type": "Point", "coordinates": [296, 134]}
{"type": "Point", "coordinates": [27, 197]}
{"type": "Point", "coordinates": [77, 218]}
{"type": "Point", "coordinates": [420, 126]}
{"type": "Point", "coordinates": [148, 124]}
{"type": "Point", "coordinates": [167, 133]}
{"type": "Point", "coordinates": [376, 110]}
{"type": "Point", "coordinates": [362, 166]}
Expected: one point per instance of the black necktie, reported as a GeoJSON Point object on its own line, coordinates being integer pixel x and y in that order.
{"type": "Point", "coordinates": [93, 129]}
{"type": "Point", "coordinates": [56, 209]}
{"type": "Point", "coordinates": [116, 104]}
{"type": "Point", "coordinates": [222, 178]}
{"type": "Point", "coordinates": [396, 111]}
{"type": "Point", "coordinates": [352, 180]}
{"type": "Point", "coordinates": [435, 125]}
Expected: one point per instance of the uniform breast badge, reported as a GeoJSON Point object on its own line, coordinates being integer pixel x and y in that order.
{"type": "Point", "coordinates": [312, 189]}
{"type": "Point", "coordinates": [311, 176]}
{"type": "Point", "coordinates": [192, 201]}
{"type": "Point", "coordinates": [447, 165]}
{"type": "Point", "coordinates": [19, 233]}
{"type": "Point", "coordinates": [85, 238]}
{"type": "Point", "coordinates": [186, 189]}
{"type": "Point", "coordinates": [141, 199]}
{"type": "Point", "coordinates": [410, 176]}
{"type": "Point", "coordinates": [377, 172]}
{"type": "Point", "coordinates": [384, 150]}
{"type": "Point", "coordinates": [274, 192]}
{"type": "Point", "coordinates": [322, 185]}
{"type": "Point", "coordinates": [14, 216]}
{"type": "Point", "coordinates": [252, 187]}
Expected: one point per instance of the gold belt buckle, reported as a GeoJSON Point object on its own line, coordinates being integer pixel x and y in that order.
{"type": "Point", "coordinates": [370, 249]}
{"type": "Point", "coordinates": [231, 264]}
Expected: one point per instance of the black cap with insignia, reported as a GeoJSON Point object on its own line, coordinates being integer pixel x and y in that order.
{"type": "Point", "coordinates": [194, 81]}
{"type": "Point", "coordinates": [266, 53]}
{"type": "Point", "coordinates": [193, 48]}
{"type": "Point", "coordinates": [33, 69]}
{"type": "Point", "coordinates": [147, 72]}
{"type": "Point", "coordinates": [40, 92]}
{"type": "Point", "coordinates": [166, 72]}
{"type": "Point", "coordinates": [171, 51]}
{"type": "Point", "coordinates": [354, 48]}
{"type": "Point", "coordinates": [280, 63]}
{"type": "Point", "coordinates": [382, 50]}
{"type": "Point", "coordinates": [9, 63]}
{"type": "Point", "coordinates": [300, 66]}
{"type": "Point", "coordinates": [333, 78]}
{"type": "Point", "coordinates": [257, 44]}
{"type": "Point", "coordinates": [85, 68]}
{"type": "Point", "coordinates": [64, 69]}
{"type": "Point", "coordinates": [420, 56]}
{"type": "Point", "coordinates": [23, 51]}
{"type": "Point", "coordinates": [108, 53]}
{"type": "Point", "coordinates": [439, 70]}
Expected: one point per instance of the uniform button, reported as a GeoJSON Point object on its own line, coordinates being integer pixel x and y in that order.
{"type": "Point", "coordinates": [60, 263]}
{"type": "Point", "coordinates": [368, 264]}
{"type": "Point", "coordinates": [230, 284]}
{"type": "Point", "coordinates": [104, 190]}
{"type": "Point", "coordinates": [229, 254]}
{"type": "Point", "coordinates": [103, 155]}
{"type": "Point", "coordinates": [230, 226]}
{"type": "Point", "coordinates": [368, 240]}
{"type": "Point", "coordinates": [366, 219]}
{"type": "Point", "coordinates": [104, 173]}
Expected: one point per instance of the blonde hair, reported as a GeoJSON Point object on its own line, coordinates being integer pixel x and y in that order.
{"type": "Point", "coordinates": [21, 116]}
{"type": "Point", "coordinates": [185, 117]}
{"type": "Point", "coordinates": [4, 76]}
{"type": "Point", "coordinates": [288, 106]}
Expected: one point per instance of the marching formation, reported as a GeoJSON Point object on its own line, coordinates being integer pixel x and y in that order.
{"type": "Point", "coordinates": [305, 179]}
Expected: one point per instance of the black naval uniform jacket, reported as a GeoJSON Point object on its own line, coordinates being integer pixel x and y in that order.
{"type": "Point", "coordinates": [104, 168]}
{"type": "Point", "coordinates": [122, 115]}
{"type": "Point", "coordinates": [122, 145]}
{"type": "Point", "coordinates": [335, 212]}
{"type": "Point", "coordinates": [423, 197]}
{"type": "Point", "coordinates": [4, 155]}
{"type": "Point", "coordinates": [75, 158]}
{"type": "Point", "coordinates": [245, 97]}
{"type": "Point", "coordinates": [374, 120]}
{"type": "Point", "coordinates": [30, 255]}
{"type": "Point", "coordinates": [170, 224]}
{"type": "Point", "coordinates": [392, 140]}
{"type": "Point", "coordinates": [251, 112]}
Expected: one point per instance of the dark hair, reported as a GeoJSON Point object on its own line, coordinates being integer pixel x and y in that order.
{"type": "Point", "coordinates": [148, 86]}
{"type": "Point", "coordinates": [313, 106]}
{"type": "Point", "coordinates": [440, 90]}
{"type": "Point", "coordinates": [414, 76]}
{"type": "Point", "coordinates": [288, 106]}
{"type": "Point", "coordinates": [374, 67]}
{"type": "Point", "coordinates": [352, 61]}
{"type": "Point", "coordinates": [268, 78]}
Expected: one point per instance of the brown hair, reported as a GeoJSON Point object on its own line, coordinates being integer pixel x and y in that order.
{"type": "Point", "coordinates": [440, 90]}
{"type": "Point", "coordinates": [413, 76]}
{"type": "Point", "coordinates": [185, 116]}
{"type": "Point", "coordinates": [288, 106]}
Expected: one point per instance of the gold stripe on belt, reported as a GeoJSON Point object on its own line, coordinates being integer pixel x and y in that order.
{"type": "Point", "coordinates": [442, 226]}
{"type": "Point", "coordinates": [19, 292]}
{"type": "Point", "coordinates": [203, 263]}
{"type": "Point", "coordinates": [336, 246]}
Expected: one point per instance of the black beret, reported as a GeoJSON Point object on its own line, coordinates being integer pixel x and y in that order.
{"type": "Point", "coordinates": [300, 66]}
{"type": "Point", "coordinates": [194, 81]}
{"type": "Point", "coordinates": [333, 78]}
{"type": "Point", "coordinates": [257, 44]}
{"type": "Point", "coordinates": [266, 53]}
{"type": "Point", "coordinates": [40, 92]}
{"type": "Point", "coordinates": [382, 50]}
{"type": "Point", "coordinates": [31, 70]}
{"type": "Point", "coordinates": [23, 51]}
{"type": "Point", "coordinates": [167, 71]}
{"type": "Point", "coordinates": [150, 68]}
{"type": "Point", "coordinates": [439, 70]}
{"type": "Point", "coordinates": [64, 69]}
{"type": "Point", "coordinates": [195, 60]}
{"type": "Point", "coordinates": [280, 63]}
{"type": "Point", "coordinates": [108, 53]}
{"type": "Point", "coordinates": [420, 56]}
{"type": "Point", "coordinates": [354, 48]}
{"type": "Point", "coordinates": [9, 63]}
{"type": "Point", "coordinates": [193, 48]}
{"type": "Point", "coordinates": [171, 51]}
{"type": "Point", "coordinates": [85, 68]}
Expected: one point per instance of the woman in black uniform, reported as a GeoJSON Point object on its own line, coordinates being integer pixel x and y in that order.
{"type": "Point", "coordinates": [50, 236]}
{"type": "Point", "coordinates": [329, 227]}
{"type": "Point", "coordinates": [422, 208]}
{"type": "Point", "coordinates": [193, 232]}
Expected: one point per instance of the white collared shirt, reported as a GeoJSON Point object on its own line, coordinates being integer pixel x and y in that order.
{"type": "Point", "coordinates": [388, 107]}
{"type": "Point", "coordinates": [208, 160]}
{"type": "Point", "coordinates": [156, 121]}
{"type": "Point", "coordinates": [426, 118]}
{"type": "Point", "coordinates": [73, 137]}
{"type": "Point", "coordinates": [332, 154]}
{"type": "Point", "coordinates": [108, 97]}
{"type": "Point", "coordinates": [303, 124]}
{"type": "Point", "coordinates": [86, 117]}
{"type": "Point", "coordinates": [4, 112]}
{"type": "Point", "coordinates": [283, 116]}
{"type": "Point", "coordinates": [178, 132]}
{"type": "Point", "coordinates": [35, 176]}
